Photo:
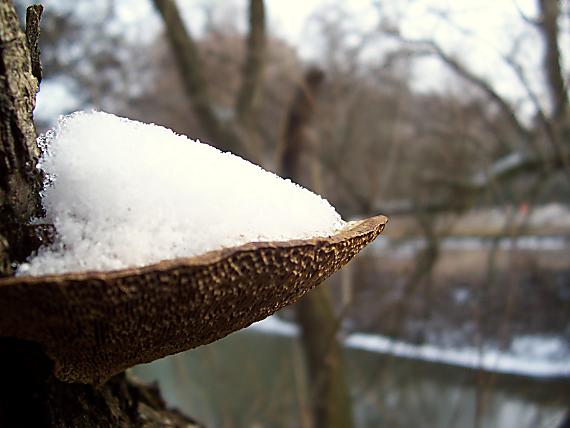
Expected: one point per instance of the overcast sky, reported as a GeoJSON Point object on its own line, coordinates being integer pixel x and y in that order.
{"type": "Point", "coordinates": [478, 31]}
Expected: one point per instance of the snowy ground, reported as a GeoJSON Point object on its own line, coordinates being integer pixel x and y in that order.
{"type": "Point", "coordinates": [536, 356]}
{"type": "Point", "coordinates": [547, 220]}
{"type": "Point", "coordinates": [409, 247]}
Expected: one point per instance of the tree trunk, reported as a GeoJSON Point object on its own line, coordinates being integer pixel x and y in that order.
{"type": "Point", "coordinates": [239, 135]}
{"type": "Point", "coordinates": [30, 396]}
{"type": "Point", "coordinates": [330, 398]}
{"type": "Point", "coordinates": [19, 180]}
{"type": "Point", "coordinates": [249, 96]}
{"type": "Point", "coordinates": [328, 389]}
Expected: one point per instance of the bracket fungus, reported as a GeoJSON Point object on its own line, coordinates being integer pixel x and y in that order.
{"type": "Point", "coordinates": [162, 244]}
{"type": "Point", "coordinates": [96, 324]}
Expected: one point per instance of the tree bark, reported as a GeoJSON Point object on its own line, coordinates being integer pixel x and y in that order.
{"type": "Point", "coordinates": [20, 181]}
{"type": "Point", "coordinates": [330, 398]}
{"type": "Point", "coordinates": [30, 396]}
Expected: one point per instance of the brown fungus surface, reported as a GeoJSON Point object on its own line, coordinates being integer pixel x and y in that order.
{"type": "Point", "coordinates": [96, 324]}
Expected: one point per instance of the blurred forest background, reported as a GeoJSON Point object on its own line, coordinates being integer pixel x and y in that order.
{"type": "Point", "coordinates": [452, 118]}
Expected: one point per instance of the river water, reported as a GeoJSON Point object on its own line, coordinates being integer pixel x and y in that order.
{"type": "Point", "coordinates": [254, 378]}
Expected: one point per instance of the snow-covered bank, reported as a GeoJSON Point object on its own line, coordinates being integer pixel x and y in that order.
{"type": "Point", "coordinates": [534, 356]}
{"type": "Point", "coordinates": [407, 248]}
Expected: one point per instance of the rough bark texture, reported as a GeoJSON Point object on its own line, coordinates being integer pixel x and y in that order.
{"type": "Point", "coordinates": [33, 16]}
{"type": "Point", "coordinates": [19, 180]}
{"type": "Point", "coordinates": [30, 396]}
{"type": "Point", "coordinates": [329, 395]}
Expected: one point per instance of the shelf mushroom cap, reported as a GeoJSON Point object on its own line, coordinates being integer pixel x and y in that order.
{"type": "Point", "coordinates": [96, 324]}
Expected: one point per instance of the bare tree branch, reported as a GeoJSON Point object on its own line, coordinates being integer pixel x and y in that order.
{"type": "Point", "coordinates": [463, 192]}
{"type": "Point", "coordinates": [502, 170]}
{"type": "Point", "coordinates": [323, 354]}
{"type": "Point", "coordinates": [429, 46]}
{"type": "Point", "coordinates": [519, 72]}
{"type": "Point", "coordinates": [188, 58]}
{"type": "Point", "coordinates": [236, 135]}
{"type": "Point", "coordinates": [524, 17]}
{"type": "Point", "coordinates": [249, 94]}
{"type": "Point", "coordinates": [550, 12]}
{"type": "Point", "coordinates": [295, 135]}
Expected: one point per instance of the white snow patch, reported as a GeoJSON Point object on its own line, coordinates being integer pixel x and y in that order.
{"type": "Point", "coordinates": [275, 325]}
{"type": "Point", "coordinates": [553, 214]}
{"type": "Point", "coordinates": [122, 193]}
{"type": "Point", "coordinates": [536, 356]}
{"type": "Point", "coordinates": [491, 360]}
{"type": "Point", "coordinates": [407, 248]}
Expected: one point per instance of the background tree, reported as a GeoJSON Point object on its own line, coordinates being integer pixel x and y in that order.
{"type": "Point", "coordinates": [328, 389]}
{"type": "Point", "coordinates": [329, 392]}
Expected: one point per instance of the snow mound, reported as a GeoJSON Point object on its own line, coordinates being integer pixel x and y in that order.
{"type": "Point", "coordinates": [122, 193]}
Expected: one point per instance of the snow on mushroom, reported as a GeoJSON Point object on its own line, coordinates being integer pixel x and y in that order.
{"type": "Point", "coordinates": [122, 193]}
